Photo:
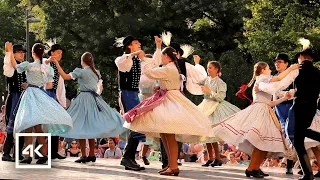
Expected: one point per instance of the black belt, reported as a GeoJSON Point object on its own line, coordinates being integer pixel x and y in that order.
{"type": "Point", "coordinates": [95, 95]}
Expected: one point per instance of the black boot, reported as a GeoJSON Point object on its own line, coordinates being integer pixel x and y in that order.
{"type": "Point", "coordinates": [57, 155]}
{"type": "Point", "coordinates": [262, 173]}
{"type": "Point", "coordinates": [129, 164]}
{"type": "Point", "coordinates": [82, 159]}
{"type": "Point", "coordinates": [7, 157]}
{"type": "Point", "coordinates": [216, 163]}
{"type": "Point", "coordinates": [207, 164]}
{"type": "Point", "coordinates": [27, 160]}
{"type": "Point", "coordinates": [8, 145]}
{"type": "Point", "coordinates": [306, 167]}
{"type": "Point", "coordinates": [145, 160]}
{"type": "Point", "coordinates": [254, 173]}
{"type": "Point", "coordinates": [90, 158]}
{"type": "Point", "coordinates": [42, 160]}
{"type": "Point", "coordinates": [289, 167]}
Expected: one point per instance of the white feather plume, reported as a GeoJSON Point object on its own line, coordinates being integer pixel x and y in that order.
{"type": "Point", "coordinates": [119, 42]}
{"type": "Point", "coordinates": [187, 50]}
{"type": "Point", "coordinates": [166, 38]}
{"type": "Point", "coordinates": [305, 43]}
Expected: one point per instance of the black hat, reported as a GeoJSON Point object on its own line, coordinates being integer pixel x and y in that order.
{"type": "Point", "coordinates": [54, 48]}
{"type": "Point", "coordinates": [177, 47]}
{"type": "Point", "coordinates": [127, 40]}
{"type": "Point", "coordinates": [283, 57]}
{"type": "Point", "coordinates": [18, 47]}
{"type": "Point", "coordinates": [308, 52]}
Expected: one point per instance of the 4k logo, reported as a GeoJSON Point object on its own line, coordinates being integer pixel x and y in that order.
{"type": "Point", "coordinates": [30, 146]}
{"type": "Point", "coordinates": [29, 149]}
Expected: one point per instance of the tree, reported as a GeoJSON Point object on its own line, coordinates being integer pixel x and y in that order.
{"type": "Point", "coordinates": [12, 29]}
{"type": "Point", "coordinates": [276, 26]}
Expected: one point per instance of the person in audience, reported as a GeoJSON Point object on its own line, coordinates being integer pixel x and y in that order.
{"type": "Point", "coordinates": [244, 159]}
{"type": "Point", "coordinates": [113, 152]}
{"type": "Point", "coordinates": [232, 159]}
{"type": "Point", "coordinates": [74, 151]}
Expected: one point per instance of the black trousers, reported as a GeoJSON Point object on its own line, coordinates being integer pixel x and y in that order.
{"type": "Point", "coordinates": [54, 145]}
{"type": "Point", "coordinates": [131, 148]}
{"type": "Point", "coordinates": [9, 144]}
{"type": "Point", "coordinates": [304, 114]}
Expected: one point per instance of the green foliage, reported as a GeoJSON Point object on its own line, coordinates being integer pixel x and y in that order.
{"type": "Point", "coordinates": [235, 32]}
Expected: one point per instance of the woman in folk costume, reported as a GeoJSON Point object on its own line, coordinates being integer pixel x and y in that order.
{"type": "Point", "coordinates": [301, 122]}
{"type": "Point", "coordinates": [168, 112]}
{"type": "Point", "coordinates": [215, 107]}
{"type": "Point", "coordinates": [193, 74]}
{"type": "Point", "coordinates": [91, 115]}
{"type": "Point", "coordinates": [31, 113]}
{"type": "Point", "coordinates": [256, 130]}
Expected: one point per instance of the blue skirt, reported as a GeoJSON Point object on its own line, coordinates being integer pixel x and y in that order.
{"type": "Point", "coordinates": [93, 118]}
{"type": "Point", "coordinates": [37, 108]}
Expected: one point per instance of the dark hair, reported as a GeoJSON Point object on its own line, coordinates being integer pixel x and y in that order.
{"type": "Point", "coordinates": [114, 140]}
{"type": "Point", "coordinates": [88, 59]}
{"type": "Point", "coordinates": [127, 50]}
{"type": "Point", "coordinates": [257, 69]}
{"type": "Point", "coordinates": [148, 56]}
{"type": "Point", "coordinates": [169, 51]}
{"type": "Point", "coordinates": [38, 49]}
{"type": "Point", "coordinates": [216, 64]}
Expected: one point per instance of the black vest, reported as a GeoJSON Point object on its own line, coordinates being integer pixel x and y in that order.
{"type": "Point", "coordinates": [183, 70]}
{"type": "Point", "coordinates": [56, 76]}
{"type": "Point", "coordinates": [130, 80]}
{"type": "Point", "coordinates": [308, 82]}
{"type": "Point", "coordinates": [14, 83]}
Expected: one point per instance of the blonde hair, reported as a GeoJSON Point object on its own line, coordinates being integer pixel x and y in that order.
{"type": "Point", "coordinates": [257, 69]}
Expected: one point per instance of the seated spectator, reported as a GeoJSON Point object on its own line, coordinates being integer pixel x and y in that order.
{"type": "Point", "coordinates": [223, 147]}
{"type": "Point", "coordinates": [204, 158]}
{"type": "Point", "coordinates": [113, 152]}
{"type": "Point", "coordinates": [154, 155]}
{"type": "Point", "coordinates": [74, 151]}
{"type": "Point", "coordinates": [103, 144]}
{"type": "Point", "coordinates": [314, 165]}
{"type": "Point", "coordinates": [224, 158]}
{"type": "Point", "coordinates": [232, 159]}
{"type": "Point", "coordinates": [271, 162]}
{"type": "Point", "coordinates": [195, 151]}
{"type": "Point", "coordinates": [283, 165]}
{"type": "Point", "coordinates": [244, 159]}
{"type": "Point", "coordinates": [62, 147]}
{"type": "Point", "coordinates": [97, 150]}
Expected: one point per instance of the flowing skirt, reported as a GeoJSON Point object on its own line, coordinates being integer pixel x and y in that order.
{"type": "Point", "coordinates": [89, 122]}
{"type": "Point", "coordinates": [175, 115]}
{"type": "Point", "coordinates": [36, 108]}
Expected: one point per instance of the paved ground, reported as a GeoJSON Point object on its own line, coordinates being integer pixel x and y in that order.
{"type": "Point", "coordinates": [110, 169]}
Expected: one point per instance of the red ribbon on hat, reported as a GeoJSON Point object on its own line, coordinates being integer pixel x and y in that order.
{"type": "Point", "coordinates": [242, 92]}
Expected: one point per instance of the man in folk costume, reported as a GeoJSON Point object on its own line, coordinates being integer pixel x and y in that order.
{"type": "Point", "coordinates": [16, 83]}
{"type": "Point", "coordinates": [129, 77]}
{"type": "Point", "coordinates": [58, 92]}
{"type": "Point", "coordinates": [307, 84]}
{"type": "Point", "coordinates": [193, 74]}
{"type": "Point", "coordinates": [281, 63]}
